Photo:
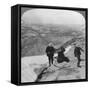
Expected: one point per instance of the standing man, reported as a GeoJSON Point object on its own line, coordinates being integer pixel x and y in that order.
{"type": "Point", "coordinates": [50, 50]}
{"type": "Point", "coordinates": [77, 53]}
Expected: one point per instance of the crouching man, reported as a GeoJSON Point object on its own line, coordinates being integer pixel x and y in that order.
{"type": "Point", "coordinates": [50, 50]}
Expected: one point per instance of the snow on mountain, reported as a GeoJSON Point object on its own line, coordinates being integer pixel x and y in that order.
{"type": "Point", "coordinates": [29, 64]}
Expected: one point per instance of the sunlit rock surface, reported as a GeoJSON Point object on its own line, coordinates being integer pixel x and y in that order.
{"type": "Point", "coordinates": [33, 66]}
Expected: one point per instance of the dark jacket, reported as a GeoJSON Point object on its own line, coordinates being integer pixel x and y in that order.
{"type": "Point", "coordinates": [50, 50]}
{"type": "Point", "coordinates": [77, 51]}
{"type": "Point", "coordinates": [61, 56]}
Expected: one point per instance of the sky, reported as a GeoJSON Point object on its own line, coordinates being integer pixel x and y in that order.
{"type": "Point", "coordinates": [52, 16]}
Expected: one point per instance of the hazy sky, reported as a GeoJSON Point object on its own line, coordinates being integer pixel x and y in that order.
{"type": "Point", "coordinates": [52, 16]}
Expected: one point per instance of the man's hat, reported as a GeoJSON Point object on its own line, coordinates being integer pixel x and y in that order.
{"type": "Point", "coordinates": [50, 44]}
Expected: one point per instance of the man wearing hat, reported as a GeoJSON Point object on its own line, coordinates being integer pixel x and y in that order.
{"type": "Point", "coordinates": [50, 50]}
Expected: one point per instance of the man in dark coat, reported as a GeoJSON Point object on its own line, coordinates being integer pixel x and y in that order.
{"type": "Point", "coordinates": [61, 57]}
{"type": "Point", "coordinates": [77, 53]}
{"type": "Point", "coordinates": [50, 50]}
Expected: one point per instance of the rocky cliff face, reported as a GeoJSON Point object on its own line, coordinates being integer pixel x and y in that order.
{"type": "Point", "coordinates": [62, 71]}
{"type": "Point", "coordinates": [36, 68]}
